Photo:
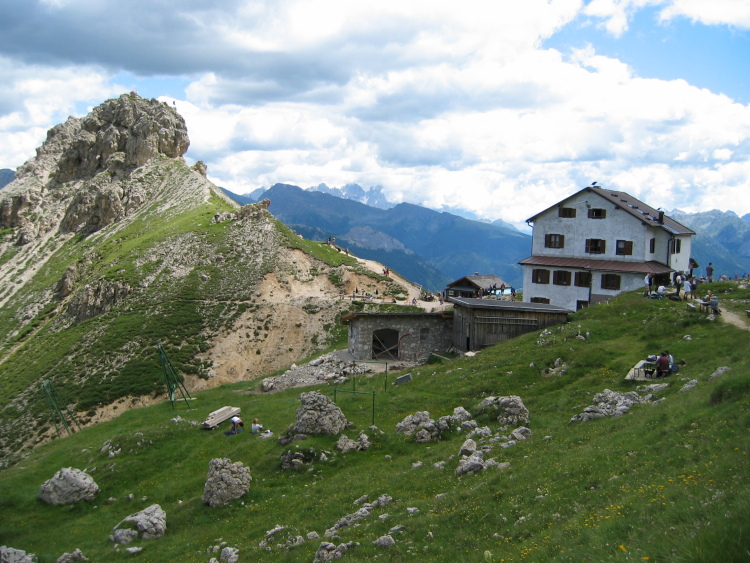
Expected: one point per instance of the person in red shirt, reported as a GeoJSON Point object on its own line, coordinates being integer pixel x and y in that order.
{"type": "Point", "coordinates": [662, 365]}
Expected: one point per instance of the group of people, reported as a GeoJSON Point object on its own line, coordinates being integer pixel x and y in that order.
{"type": "Point", "coordinates": [664, 365]}
{"type": "Point", "coordinates": [238, 425]}
{"type": "Point", "coordinates": [688, 286]}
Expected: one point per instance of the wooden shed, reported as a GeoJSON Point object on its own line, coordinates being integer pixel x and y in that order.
{"type": "Point", "coordinates": [478, 323]}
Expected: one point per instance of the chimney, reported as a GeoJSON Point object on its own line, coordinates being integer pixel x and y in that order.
{"type": "Point", "coordinates": [661, 216]}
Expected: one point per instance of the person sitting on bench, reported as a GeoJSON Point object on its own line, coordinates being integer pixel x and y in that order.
{"type": "Point", "coordinates": [662, 365]}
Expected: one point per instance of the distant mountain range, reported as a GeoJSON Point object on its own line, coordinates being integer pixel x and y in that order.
{"type": "Point", "coordinates": [434, 248]}
{"type": "Point", "coordinates": [6, 177]}
{"type": "Point", "coordinates": [428, 247]}
{"type": "Point", "coordinates": [723, 238]}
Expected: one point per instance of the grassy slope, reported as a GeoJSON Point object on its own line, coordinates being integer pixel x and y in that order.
{"type": "Point", "coordinates": [667, 482]}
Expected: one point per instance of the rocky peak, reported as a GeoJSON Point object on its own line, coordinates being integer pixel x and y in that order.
{"type": "Point", "coordinates": [120, 134]}
{"type": "Point", "coordinates": [83, 177]}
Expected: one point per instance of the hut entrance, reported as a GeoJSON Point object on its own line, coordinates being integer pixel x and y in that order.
{"type": "Point", "coordinates": [385, 344]}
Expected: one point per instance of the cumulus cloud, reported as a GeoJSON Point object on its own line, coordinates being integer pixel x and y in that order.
{"type": "Point", "coordinates": [36, 97]}
{"type": "Point", "coordinates": [733, 13]}
{"type": "Point", "coordinates": [446, 106]}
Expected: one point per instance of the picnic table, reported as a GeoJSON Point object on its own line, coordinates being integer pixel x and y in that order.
{"type": "Point", "coordinates": [639, 370]}
{"type": "Point", "coordinates": [703, 304]}
{"type": "Point", "coordinates": [219, 416]}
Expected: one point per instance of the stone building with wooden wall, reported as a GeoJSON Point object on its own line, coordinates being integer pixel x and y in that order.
{"type": "Point", "coordinates": [398, 336]}
{"type": "Point", "coordinates": [478, 323]}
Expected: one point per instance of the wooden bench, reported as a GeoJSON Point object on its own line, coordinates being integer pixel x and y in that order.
{"type": "Point", "coordinates": [747, 311]}
{"type": "Point", "coordinates": [703, 304]}
{"type": "Point", "coordinates": [219, 416]}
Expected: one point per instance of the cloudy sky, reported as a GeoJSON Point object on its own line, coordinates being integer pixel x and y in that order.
{"type": "Point", "coordinates": [499, 108]}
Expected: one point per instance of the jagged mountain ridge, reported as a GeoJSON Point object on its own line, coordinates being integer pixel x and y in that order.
{"type": "Point", "coordinates": [111, 244]}
{"type": "Point", "coordinates": [374, 197]}
{"type": "Point", "coordinates": [722, 238]}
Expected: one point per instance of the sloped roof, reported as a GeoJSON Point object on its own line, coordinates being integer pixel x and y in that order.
{"type": "Point", "coordinates": [635, 207]}
{"type": "Point", "coordinates": [518, 306]}
{"type": "Point", "coordinates": [650, 267]}
{"type": "Point", "coordinates": [480, 281]}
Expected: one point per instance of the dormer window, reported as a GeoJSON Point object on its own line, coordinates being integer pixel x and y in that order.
{"type": "Point", "coordinates": [596, 213]}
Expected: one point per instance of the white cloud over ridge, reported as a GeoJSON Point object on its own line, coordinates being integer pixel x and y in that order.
{"type": "Point", "coordinates": [441, 106]}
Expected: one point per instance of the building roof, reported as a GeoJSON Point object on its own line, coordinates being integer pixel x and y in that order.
{"type": "Point", "coordinates": [635, 207]}
{"type": "Point", "coordinates": [517, 306]}
{"type": "Point", "coordinates": [480, 281]}
{"type": "Point", "coordinates": [347, 319]}
{"type": "Point", "coordinates": [650, 267]}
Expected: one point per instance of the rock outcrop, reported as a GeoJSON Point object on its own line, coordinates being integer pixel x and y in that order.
{"type": "Point", "coordinates": [331, 552]}
{"type": "Point", "coordinates": [327, 368]}
{"type": "Point", "coordinates": [12, 555]}
{"type": "Point", "coordinates": [148, 524]}
{"type": "Point", "coordinates": [74, 557]}
{"type": "Point", "coordinates": [511, 409]}
{"type": "Point", "coordinates": [420, 427]}
{"type": "Point", "coordinates": [68, 486]}
{"type": "Point", "coordinates": [610, 403]}
{"type": "Point", "coordinates": [346, 444]}
{"type": "Point", "coordinates": [318, 415]}
{"type": "Point", "coordinates": [75, 182]}
{"type": "Point", "coordinates": [226, 481]}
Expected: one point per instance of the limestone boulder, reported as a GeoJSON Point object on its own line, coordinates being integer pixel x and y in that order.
{"type": "Point", "coordinates": [346, 444]}
{"type": "Point", "coordinates": [226, 481]}
{"type": "Point", "coordinates": [521, 433]}
{"type": "Point", "coordinates": [68, 486]}
{"type": "Point", "coordinates": [12, 555]}
{"type": "Point", "coordinates": [610, 403]}
{"type": "Point", "coordinates": [511, 409]}
{"type": "Point", "coordinates": [384, 541]}
{"type": "Point", "coordinates": [295, 460]}
{"type": "Point", "coordinates": [468, 448]}
{"type": "Point", "coordinates": [318, 415]}
{"type": "Point", "coordinates": [331, 552]}
{"type": "Point", "coordinates": [420, 427]}
{"type": "Point", "coordinates": [74, 557]}
{"type": "Point", "coordinates": [148, 524]}
{"type": "Point", "coordinates": [470, 464]}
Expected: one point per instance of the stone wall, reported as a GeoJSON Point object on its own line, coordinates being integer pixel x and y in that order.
{"type": "Point", "coordinates": [419, 334]}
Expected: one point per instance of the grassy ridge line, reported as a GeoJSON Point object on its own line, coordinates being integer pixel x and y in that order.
{"type": "Point", "coordinates": [667, 482]}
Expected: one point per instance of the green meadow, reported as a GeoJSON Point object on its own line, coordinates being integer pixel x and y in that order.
{"type": "Point", "coordinates": [668, 481]}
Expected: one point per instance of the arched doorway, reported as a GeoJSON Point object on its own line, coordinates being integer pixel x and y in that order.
{"type": "Point", "coordinates": [385, 344]}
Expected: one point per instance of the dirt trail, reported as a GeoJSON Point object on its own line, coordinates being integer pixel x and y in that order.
{"type": "Point", "coordinates": [734, 319]}
{"type": "Point", "coordinates": [413, 291]}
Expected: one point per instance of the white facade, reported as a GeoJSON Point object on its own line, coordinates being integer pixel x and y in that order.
{"type": "Point", "coordinates": [598, 243]}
